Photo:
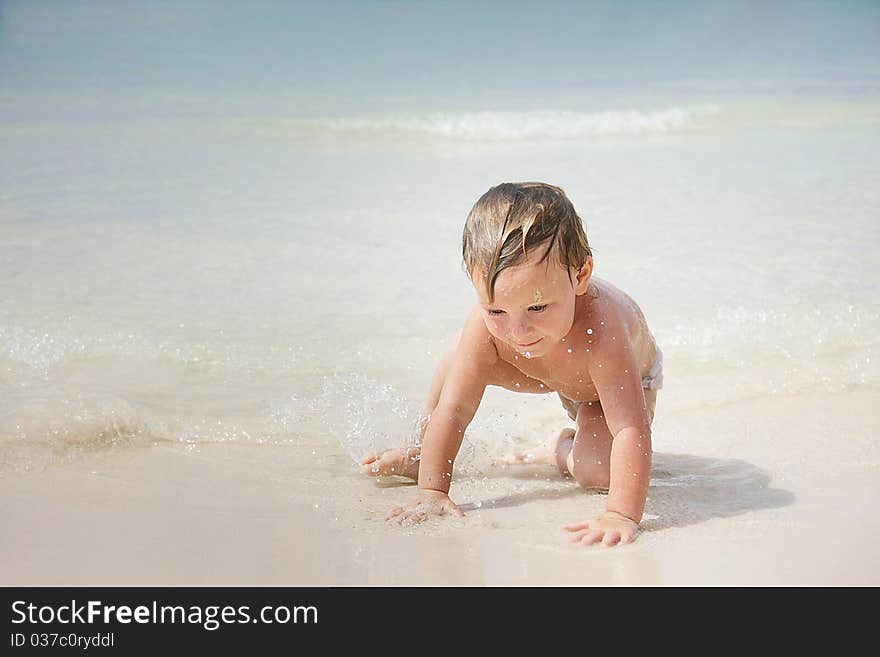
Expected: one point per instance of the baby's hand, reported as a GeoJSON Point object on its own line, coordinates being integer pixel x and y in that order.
{"type": "Point", "coordinates": [428, 502]}
{"type": "Point", "coordinates": [610, 528]}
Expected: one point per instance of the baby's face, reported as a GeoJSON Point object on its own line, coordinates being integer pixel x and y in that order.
{"type": "Point", "coordinates": [533, 308]}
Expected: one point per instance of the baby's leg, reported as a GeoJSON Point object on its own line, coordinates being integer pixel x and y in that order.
{"type": "Point", "coordinates": [589, 460]}
{"type": "Point", "coordinates": [553, 451]}
{"type": "Point", "coordinates": [405, 461]}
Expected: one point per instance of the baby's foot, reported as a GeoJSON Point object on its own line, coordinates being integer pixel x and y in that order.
{"type": "Point", "coordinates": [552, 452]}
{"type": "Point", "coordinates": [400, 462]}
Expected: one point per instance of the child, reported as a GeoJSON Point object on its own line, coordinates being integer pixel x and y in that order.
{"type": "Point", "coordinates": [543, 323]}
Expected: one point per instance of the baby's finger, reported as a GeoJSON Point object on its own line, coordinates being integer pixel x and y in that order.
{"type": "Point", "coordinates": [396, 511]}
{"type": "Point", "coordinates": [412, 518]}
{"type": "Point", "coordinates": [591, 537]}
{"type": "Point", "coordinates": [627, 537]}
{"type": "Point", "coordinates": [576, 538]}
{"type": "Point", "coordinates": [368, 458]}
{"type": "Point", "coordinates": [611, 538]}
{"type": "Point", "coordinates": [402, 519]}
{"type": "Point", "coordinates": [576, 526]}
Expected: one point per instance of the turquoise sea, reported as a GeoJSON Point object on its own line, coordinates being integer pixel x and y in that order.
{"type": "Point", "coordinates": [227, 221]}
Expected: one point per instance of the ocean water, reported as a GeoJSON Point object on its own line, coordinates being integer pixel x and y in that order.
{"type": "Point", "coordinates": [241, 222]}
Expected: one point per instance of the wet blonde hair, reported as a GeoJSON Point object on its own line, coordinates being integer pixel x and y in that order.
{"type": "Point", "coordinates": [512, 218]}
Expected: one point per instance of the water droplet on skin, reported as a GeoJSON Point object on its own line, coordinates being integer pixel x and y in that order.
{"type": "Point", "coordinates": [542, 385]}
{"type": "Point", "coordinates": [375, 468]}
{"type": "Point", "coordinates": [599, 462]}
{"type": "Point", "coordinates": [563, 339]}
{"type": "Point", "coordinates": [516, 384]}
{"type": "Point", "coordinates": [569, 350]}
{"type": "Point", "coordinates": [590, 331]}
{"type": "Point", "coordinates": [621, 387]}
{"type": "Point", "coordinates": [528, 354]}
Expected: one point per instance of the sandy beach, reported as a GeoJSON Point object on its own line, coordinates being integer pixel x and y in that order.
{"type": "Point", "coordinates": [231, 259]}
{"type": "Point", "coordinates": [766, 492]}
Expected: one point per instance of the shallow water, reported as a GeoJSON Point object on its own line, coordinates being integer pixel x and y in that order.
{"type": "Point", "coordinates": [183, 259]}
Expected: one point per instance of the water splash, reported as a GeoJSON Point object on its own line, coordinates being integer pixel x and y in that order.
{"type": "Point", "coordinates": [366, 415]}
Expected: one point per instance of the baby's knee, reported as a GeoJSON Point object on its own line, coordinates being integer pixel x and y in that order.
{"type": "Point", "coordinates": [591, 476]}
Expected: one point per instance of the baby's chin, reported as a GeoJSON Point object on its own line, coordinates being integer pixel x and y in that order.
{"type": "Point", "coordinates": [547, 345]}
{"type": "Point", "coordinates": [535, 351]}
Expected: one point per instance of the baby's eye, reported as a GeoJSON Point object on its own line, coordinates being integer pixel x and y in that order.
{"type": "Point", "coordinates": [495, 312]}
{"type": "Point", "coordinates": [539, 308]}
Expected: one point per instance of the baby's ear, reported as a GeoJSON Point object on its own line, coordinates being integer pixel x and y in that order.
{"type": "Point", "coordinates": [582, 281]}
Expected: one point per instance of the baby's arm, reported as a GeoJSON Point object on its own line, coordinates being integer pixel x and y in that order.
{"type": "Point", "coordinates": [616, 375]}
{"type": "Point", "coordinates": [459, 399]}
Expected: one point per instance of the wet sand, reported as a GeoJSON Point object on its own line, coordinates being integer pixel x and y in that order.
{"type": "Point", "coordinates": [774, 491]}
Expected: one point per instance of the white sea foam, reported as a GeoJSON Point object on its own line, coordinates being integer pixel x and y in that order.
{"type": "Point", "coordinates": [539, 124]}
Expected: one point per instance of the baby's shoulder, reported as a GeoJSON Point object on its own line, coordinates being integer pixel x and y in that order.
{"type": "Point", "coordinates": [475, 337]}
{"type": "Point", "coordinates": [603, 315]}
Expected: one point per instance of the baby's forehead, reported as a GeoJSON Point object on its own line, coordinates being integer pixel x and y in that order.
{"type": "Point", "coordinates": [531, 282]}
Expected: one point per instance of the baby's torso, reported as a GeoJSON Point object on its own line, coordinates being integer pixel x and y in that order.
{"type": "Point", "coordinates": [565, 368]}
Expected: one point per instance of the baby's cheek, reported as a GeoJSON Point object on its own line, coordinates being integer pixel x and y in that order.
{"type": "Point", "coordinates": [557, 329]}
{"type": "Point", "coordinates": [495, 327]}
{"type": "Point", "coordinates": [564, 321]}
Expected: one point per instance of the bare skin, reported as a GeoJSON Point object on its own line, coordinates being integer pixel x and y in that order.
{"type": "Point", "coordinates": [557, 451]}
{"type": "Point", "coordinates": [400, 462]}
{"type": "Point", "coordinates": [562, 344]}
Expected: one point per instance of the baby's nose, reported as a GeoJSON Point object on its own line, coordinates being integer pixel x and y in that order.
{"type": "Point", "coordinates": [521, 330]}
